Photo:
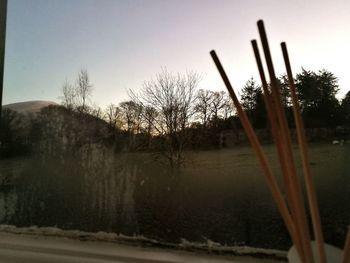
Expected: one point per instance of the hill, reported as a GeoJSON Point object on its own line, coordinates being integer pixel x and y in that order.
{"type": "Point", "coordinates": [29, 106]}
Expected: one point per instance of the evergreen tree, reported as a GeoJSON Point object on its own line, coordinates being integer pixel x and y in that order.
{"type": "Point", "coordinates": [345, 108]}
{"type": "Point", "coordinates": [248, 96]}
{"type": "Point", "coordinates": [317, 94]}
{"type": "Point", "coordinates": [253, 103]}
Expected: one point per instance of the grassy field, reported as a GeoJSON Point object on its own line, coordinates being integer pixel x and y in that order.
{"type": "Point", "coordinates": [222, 196]}
{"type": "Point", "coordinates": [230, 182]}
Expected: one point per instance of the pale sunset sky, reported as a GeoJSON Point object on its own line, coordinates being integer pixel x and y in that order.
{"type": "Point", "coordinates": [123, 43]}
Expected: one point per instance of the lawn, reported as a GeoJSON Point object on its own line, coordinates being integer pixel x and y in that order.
{"type": "Point", "coordinates": [231, 187]}
{"type": "Point", "coordinates": [221, 196]}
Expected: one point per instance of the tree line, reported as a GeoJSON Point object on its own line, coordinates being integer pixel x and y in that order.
{"type": "Point", "coordinates": [170, 103]}
{"type": "Point", "coordinates": [317, 93]}
{"type": "Point", "coordinates": [173, 102]}
{"type": "Point", "coordinates": [171, 113]}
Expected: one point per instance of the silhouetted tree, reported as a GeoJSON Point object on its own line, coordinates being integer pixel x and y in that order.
{"type": "Point", "coordinates": [317, 94]}
{"type": "Point", "coordinates": [249, 98]}
{"type": "Point", "coordinates": [228, 108]}
{"type": "Point", "coordinates": [172, 96]}
{"type": "Point", "coordinates": [282, 81]}
{"type": "Point", "coordinates": [248, 95]}
{"type": "Point", "coordinates": [76, 97]}
{"type": "Point", "coordinates": [68, 97]}
{"type": "Point", "coordinates": [96, 111]}
{"type": "Point", "coordinates": [113, 116]}
{"type": "Point", "coordinates": [131, 116]}
{"type": "Point", "coordinates": [345, 106]}
{"type": "Point", "coordinates": [83, 90]}
{"type": "Point", "coordinates": [149, 115]}
{"type": "Point", "coordinates": [259, 112]}
{"type": "Point", "coordinates": [203, 106]}
{"type": "Point", "coordinates": [217, 105]}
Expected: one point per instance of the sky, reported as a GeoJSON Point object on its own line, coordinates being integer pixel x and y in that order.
{"type": "Point", "coordinates": [124, 43]}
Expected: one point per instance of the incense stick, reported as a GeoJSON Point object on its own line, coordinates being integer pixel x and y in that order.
{"type": "Point", "coordinates": [297, 207]}
{"type": "Point", "coordinates": [295, 219]}
{"type": "Point", "coordinates": [272, 183]}
{"type": "Point", "coordinates": [275, 133]}
{"type": "Point", "coordinates": [310, 188]}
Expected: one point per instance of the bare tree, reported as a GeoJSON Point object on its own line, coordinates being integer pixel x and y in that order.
{"type": "Point", "coordinates": [95, 111]}
{"type": "Point", "coordinates": [228, 108]}
{"type": "Point", "coordinates": [68, 95]}
{"type": "Point", "coordinates": [113, 116]}
{"type": "Point", "coordinates": [149, 116]}
{"type": "Point", "coordinates": [131, 116]}
{"type": "Point", "coordinates": [202, 106]}
{"type": "Point", "coordinates": [217, 104]}
{"type": "Point", "coordinates": [172, 96]}
{"type": "Point", "coordinates": [76, 97]}
{"type": "Point", "coordinates": [83, 90]}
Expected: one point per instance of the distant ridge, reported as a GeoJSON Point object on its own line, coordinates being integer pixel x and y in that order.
{"type": "Point", "coordinates": [33, 106]}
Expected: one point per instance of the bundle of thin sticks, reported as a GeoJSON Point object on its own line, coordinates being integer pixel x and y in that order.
{"type": "Point", "coordinates": [292, 210]}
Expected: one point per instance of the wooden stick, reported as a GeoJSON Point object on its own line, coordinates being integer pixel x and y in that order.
{"type": "Point", "coordinates": [275, 133]}
{"type": "Point", "coordinates": [310, 187]}
{"type": "Point", "coordinates": [346, 255]}
{"type": "Point", "coordinates": [274, 121]}
{"type": "Point", "coordinates": [272, 183]}
{"type": "Point", "coordinates": [298, 210]}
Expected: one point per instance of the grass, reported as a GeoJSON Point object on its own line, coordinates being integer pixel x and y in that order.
{"type": "Point", "coordinates": [232, 179]}
{"type": "Point", "coordinates": [223, 196]}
